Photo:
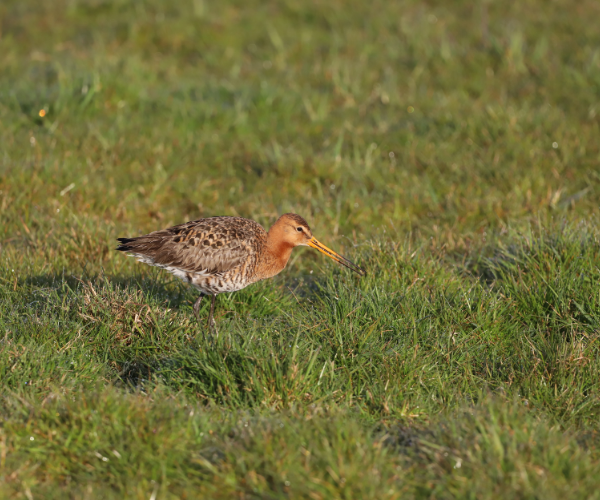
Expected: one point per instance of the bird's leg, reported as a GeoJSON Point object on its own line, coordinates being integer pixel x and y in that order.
{"type": "Point", "coordinates": [211, 319]}
{"type": "Point", "coordinates": [197, 305]}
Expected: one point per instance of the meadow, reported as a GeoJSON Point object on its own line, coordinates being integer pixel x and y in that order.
{"type": "Point", "coordinates": [452, 149]}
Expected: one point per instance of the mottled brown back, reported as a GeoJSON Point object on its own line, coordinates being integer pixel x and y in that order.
{"type": "Point", "coordinates": [215, 244]}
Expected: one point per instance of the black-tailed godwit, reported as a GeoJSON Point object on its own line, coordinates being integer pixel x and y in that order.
{"type": "Point", "coordinates": [225, 254]}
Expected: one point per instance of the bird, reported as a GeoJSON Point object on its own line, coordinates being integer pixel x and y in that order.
{"type": "Point", "coordinates": [225, 254]}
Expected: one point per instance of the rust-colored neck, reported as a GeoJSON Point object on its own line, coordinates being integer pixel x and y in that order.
{"type": "Point", "coordinates": [276, 254]}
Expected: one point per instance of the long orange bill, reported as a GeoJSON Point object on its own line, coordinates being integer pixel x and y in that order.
{"type": "Point", "coordinates": [337, 257]}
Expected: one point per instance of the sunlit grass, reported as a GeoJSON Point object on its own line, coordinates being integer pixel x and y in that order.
{"type": "Point", "coordinates": [451, 150]}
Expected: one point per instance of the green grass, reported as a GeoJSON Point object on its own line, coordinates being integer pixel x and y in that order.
{"type": "Point", "coordinates": [450, 149]}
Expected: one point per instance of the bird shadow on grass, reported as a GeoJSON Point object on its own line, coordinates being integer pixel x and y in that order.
{"type": "Point", "coordinates": [258, 300]}
{"type": "Point", "coordinates": [172, 294]}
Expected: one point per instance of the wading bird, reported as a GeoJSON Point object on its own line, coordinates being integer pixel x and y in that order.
{"type": "Point", "coordinates": [226, 254]}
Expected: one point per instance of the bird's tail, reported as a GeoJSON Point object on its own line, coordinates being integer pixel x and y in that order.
{"type": "Point", "coordinates": [126, 244]}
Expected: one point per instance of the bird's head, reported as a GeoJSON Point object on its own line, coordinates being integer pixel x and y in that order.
{"type": "Point", "coordinates": [292, 230]}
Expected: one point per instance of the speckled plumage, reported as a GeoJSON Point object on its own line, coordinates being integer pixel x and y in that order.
{"type": "Point", "coordinates": [225, 254]}
{"type": "Point", "coordinates": [216, 255]}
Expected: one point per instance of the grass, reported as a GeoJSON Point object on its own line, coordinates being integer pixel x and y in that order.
{"type": "Point", "coordinates": [450, 149]}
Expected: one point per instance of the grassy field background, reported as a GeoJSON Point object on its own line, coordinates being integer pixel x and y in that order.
{"type": "Point", "coordinates": [450, 148]}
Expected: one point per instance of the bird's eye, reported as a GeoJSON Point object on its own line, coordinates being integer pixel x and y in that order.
{"type": "Point", "coordinates": [299, 229]}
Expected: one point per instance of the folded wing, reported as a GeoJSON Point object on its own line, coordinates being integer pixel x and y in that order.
{"type": "Point", "coordinates": [209, 246]}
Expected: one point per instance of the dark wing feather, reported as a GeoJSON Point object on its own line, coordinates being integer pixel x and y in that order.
{"type": "Point", "coordinates": [214, 245]}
